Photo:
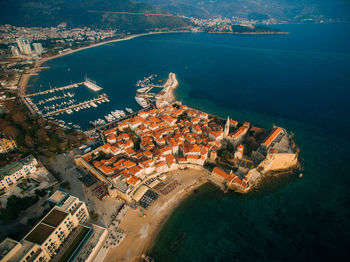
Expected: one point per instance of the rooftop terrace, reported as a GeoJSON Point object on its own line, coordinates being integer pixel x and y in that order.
{"type": "Point", "coordinates": [55, 217]}
{"type": "Point", "coordinates": [40, 233]}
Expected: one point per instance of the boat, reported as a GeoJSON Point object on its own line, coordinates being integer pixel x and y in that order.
{"type": "Point", "coordinates": [93, 104]}
{"type": "Point", "coordinates": [141, 101]}
{"type": "Point", "coordinates": [115, 114]}
{"type": "Point", "coordinates": [129, 110]}
{"type": "Point", "coordinates": [122, 113]}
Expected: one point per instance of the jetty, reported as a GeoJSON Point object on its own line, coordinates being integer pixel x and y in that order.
{"type": "Point", "coordinates": [91, 84]}
{"type": "Point", "coordinates": [102, 98]}
{"type": "Point", "coordinates": [165, 96]}
{"type": "Point", "coordinates": [52, 90]}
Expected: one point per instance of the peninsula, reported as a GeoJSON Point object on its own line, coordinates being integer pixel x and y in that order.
{"type": "Point", "coordinates": [153, 159]}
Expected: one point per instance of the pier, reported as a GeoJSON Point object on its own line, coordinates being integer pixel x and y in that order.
{"type": "Point", "coordinates": [55, 89]}
{"type": "Point", "coordinates": [100, 98]}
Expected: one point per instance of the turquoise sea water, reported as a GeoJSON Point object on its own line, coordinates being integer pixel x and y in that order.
{"type": "Point", "coordinates": [299, 81]}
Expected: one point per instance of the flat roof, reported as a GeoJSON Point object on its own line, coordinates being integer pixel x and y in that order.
{"type": "Point", "coordinates": [55, 217]}
{"type": "Point", "coordinates": [140, 192]}
{"type": "Point", "coordinates": [13, 167]}
{"type": "Point", "coordinates": [40, 233]}
{"type": "Point", "coordinates": [58, 196]}
{"type": "Point", "coordinates": [6, 246]}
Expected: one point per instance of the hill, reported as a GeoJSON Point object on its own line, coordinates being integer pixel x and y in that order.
{"type": "Point", "coordinates": [126, 15]}
{"type": "Point", "coordinates": [283, 10]}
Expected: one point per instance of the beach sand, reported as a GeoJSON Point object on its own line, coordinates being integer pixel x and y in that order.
{"type": "Point", "coordinates": [168, 91]}
{"type": "Point", "coordinates": [141, 231]}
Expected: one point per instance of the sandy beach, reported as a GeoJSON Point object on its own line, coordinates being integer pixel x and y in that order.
{"type": "Point", "coordinates": [167, 95]}
{"type": "Point", "coordinates": [172, 83]}
{"type": "Point", "coordinates": [141, 231]}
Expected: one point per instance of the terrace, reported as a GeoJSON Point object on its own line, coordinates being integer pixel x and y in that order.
{"type": "Point", "coordinates": [55, 217]}
{"type": "Point", "coordinates": [40, 233]}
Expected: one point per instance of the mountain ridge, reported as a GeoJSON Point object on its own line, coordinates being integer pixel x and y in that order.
{"type": "Point", "coordinates": [283, 10]}
{"type": "Point", "coordinates": [133, 16]}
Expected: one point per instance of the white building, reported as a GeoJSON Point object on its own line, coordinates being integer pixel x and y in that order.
{"type": "Point", "coordinates": [70, 204]}
{"type": "Point", "coordinates": [24, 46]}
{"type": "Point", "coordinates": [45, 241]}
{"type": "Point", "coordinates": [38, 48]}
{"type": "Point", "coordinates": [14, 172]}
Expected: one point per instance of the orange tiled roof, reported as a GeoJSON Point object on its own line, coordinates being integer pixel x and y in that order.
{"type": "Point", "coordinates": [170, 159]}
{"type": "Point", "coordinates": [106, 146]}
{"type": "Point", "coordinates": [222, 173]}
{"type": "Point", "coordinates": [133, 180]}
{"type": "Point", "coordinates": [272, 137]}
{"type": "Point", "coordinates": [134, 170]}
{"type": "Point", "coordinates": [239, 131]}
{"type": "Point", "coordinates": [274, 151]}
{"type": "Point", "coordinates": [106, 169]}
{"type": "Point", "coordinates": [129, 151]}
{"type": "Point", "coordinates": [97, 163]}
{"type": "Point", "coordinates": [233, 122]}
{"type": "Point", "coordinates": [125, 173]}
{"type": "Point", "coordinates": [192, 157]}
{"type": "Point", "coordinates": [129, 164]}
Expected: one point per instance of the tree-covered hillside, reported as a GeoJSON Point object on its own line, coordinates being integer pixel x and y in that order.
{"type": "Point", "coordinates": [284, 10]}
{"type": "Point", "coordinates": [127, 15]}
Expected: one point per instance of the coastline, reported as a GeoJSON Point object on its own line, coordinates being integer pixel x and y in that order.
{"type": "Point", "coordinates": [38, 64]}
{"type": "Point", "coordinates": [189, 191]}
{"type": "Point", "coordinates": [141, 232]}
{"type": "Point", "coordinates": [167, 95]}
{"type": "Point", "coordinates": [251, 33]}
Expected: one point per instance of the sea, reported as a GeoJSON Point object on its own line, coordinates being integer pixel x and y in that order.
{"type": "Point", "coordinates": [300, 81]}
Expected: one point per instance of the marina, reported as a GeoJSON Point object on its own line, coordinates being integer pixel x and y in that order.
{"type": "Point", "coordinates": [48, 103]}
{"type": "Point", "coordinates": [52, 90]}
{"type": "Point", "coordinates": [111, 118]}
{"type": "Point", "coordinates": [44, 101]}
{"type": "Point", "coordinates": [146, 99]}
{"type": "Point", "coordinates": [146, 85]}
{"type": "Point", "coordinates": [82, 105]}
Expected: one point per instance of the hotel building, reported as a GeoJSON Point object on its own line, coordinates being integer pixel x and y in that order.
{"type": "Point", "coordinates": [60, 235]}
{"type": "Point", "coordinates": [15, 171]}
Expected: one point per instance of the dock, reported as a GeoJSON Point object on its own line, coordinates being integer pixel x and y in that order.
{"type": "Point", "coordinates": [52, 90]}
{"type": "Point", "coordinates": [100, 98]}
{"type": "Point", "coordinates": [148, 89]}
